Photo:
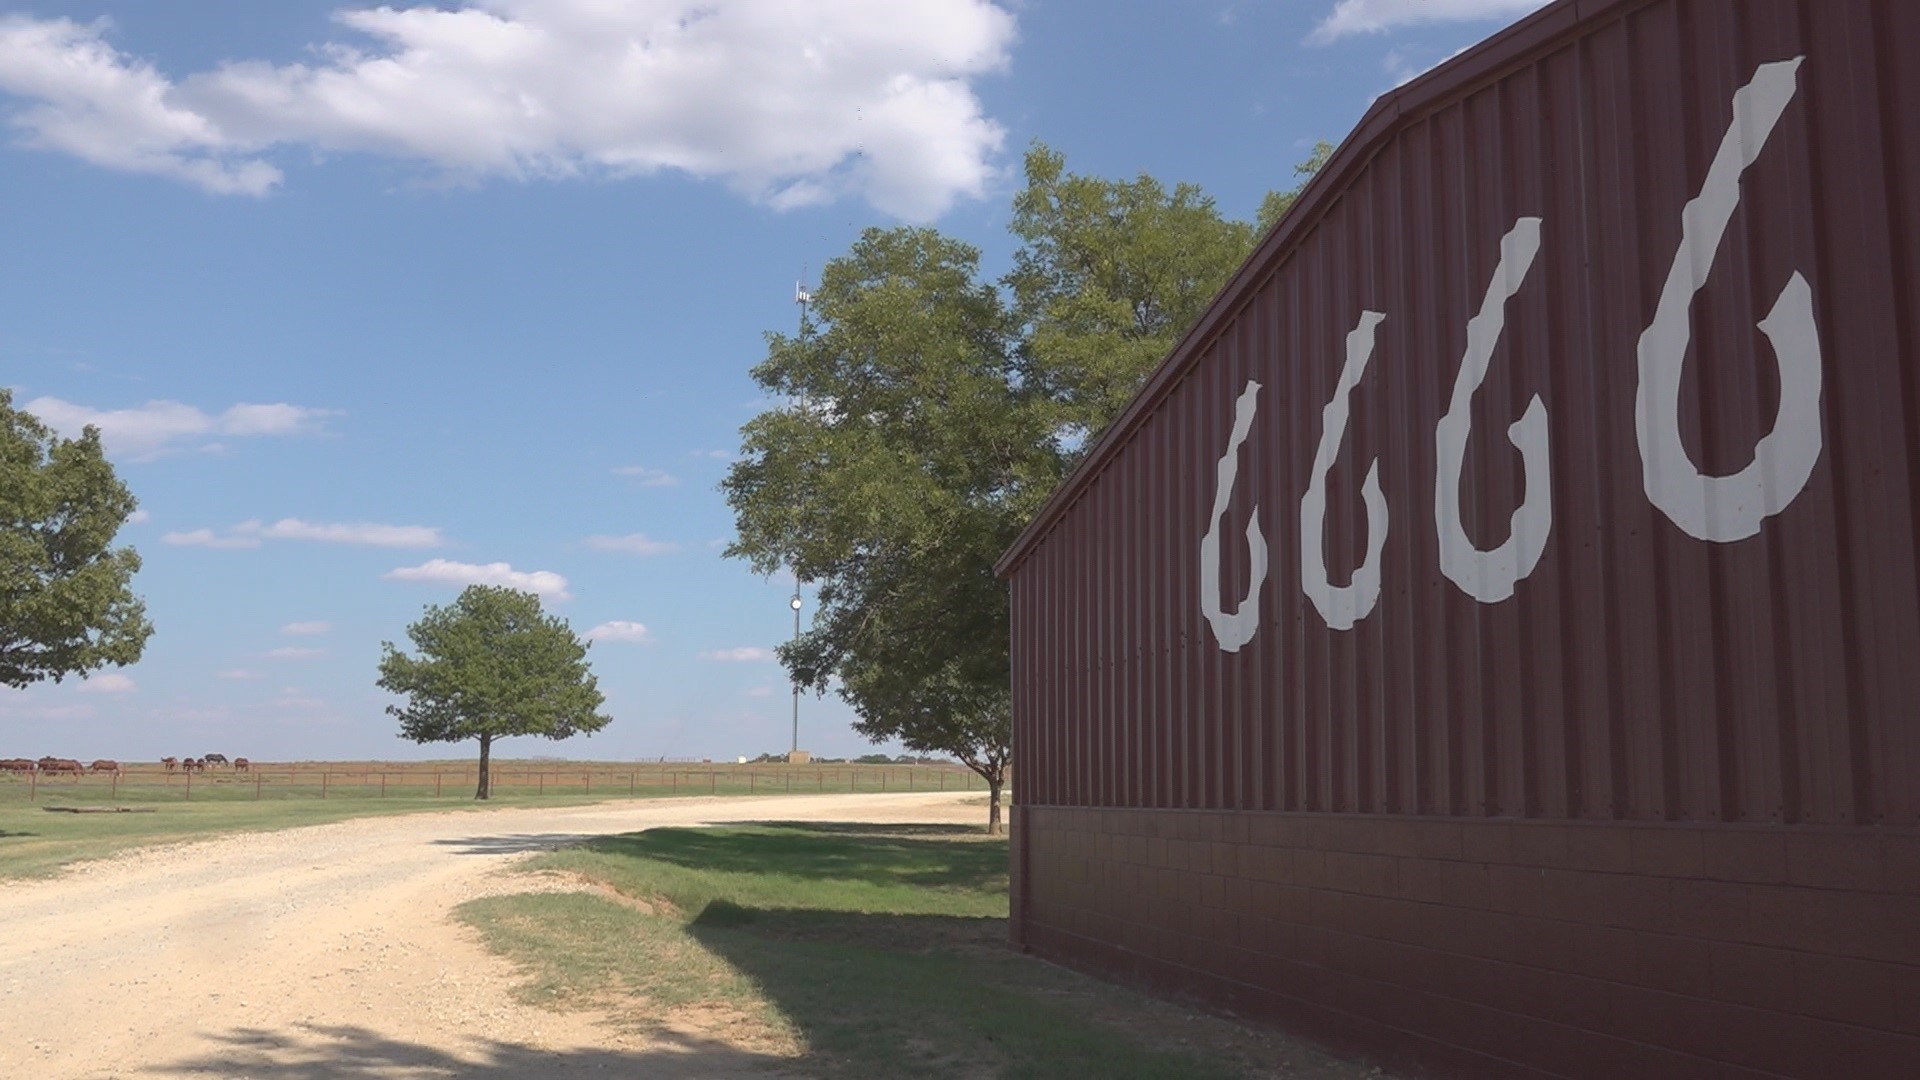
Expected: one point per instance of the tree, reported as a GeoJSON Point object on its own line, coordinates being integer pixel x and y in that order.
{"type": "Point", "coordinates": [491, 664]}
{"type": "Point", "coordinates": [66, 600]}
{"type": "Point", "coordinates": [1277, 203]}
{"type": "Point", "coordinates": [913, 457]}
{"type": "Point", "coordinates": [934, 412]}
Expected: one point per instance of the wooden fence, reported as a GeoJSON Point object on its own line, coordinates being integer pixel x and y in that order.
{"type": "Point", "coordinates": [151, 784]}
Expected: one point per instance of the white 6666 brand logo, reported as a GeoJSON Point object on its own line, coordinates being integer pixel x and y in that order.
{"type": "Point", "coordinates": [1718, 509]}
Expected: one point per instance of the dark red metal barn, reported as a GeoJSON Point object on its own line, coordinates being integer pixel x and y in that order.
{"type": "Point", "coordinates": [1493, 637]}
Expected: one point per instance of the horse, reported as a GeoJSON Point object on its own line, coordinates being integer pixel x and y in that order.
{"type": "Point", "coordinates": [241, 764]}
{"type": "Point", "coordinates": [213, 759]}
{"type": "Point", "coordinates": [171, 763]}
{"type": "Point", "coordinates": [104, 765]}
{"type": "Point", "coordinates": [16, 765]}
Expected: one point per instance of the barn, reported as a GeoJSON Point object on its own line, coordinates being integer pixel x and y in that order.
{"type": "Point", "coordinates": [1491, 640]}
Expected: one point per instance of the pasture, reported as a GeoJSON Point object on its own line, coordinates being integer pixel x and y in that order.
{"type": "Point", "coordinates": [284, 795]}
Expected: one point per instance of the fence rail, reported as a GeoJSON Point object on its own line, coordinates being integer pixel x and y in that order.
{"type": "Point", "coordinates": [152, 784]}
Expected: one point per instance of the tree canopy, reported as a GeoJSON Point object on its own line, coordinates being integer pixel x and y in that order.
{"type": "Point", "coordinates": [491, 664]}
{"type": "Point", "coordinates": [66, 601]}
{"type": "Point", "coordinates": [933, 411]}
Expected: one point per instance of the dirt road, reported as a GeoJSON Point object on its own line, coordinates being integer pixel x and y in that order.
{"type": "Point", "coordinates": [327, 952]}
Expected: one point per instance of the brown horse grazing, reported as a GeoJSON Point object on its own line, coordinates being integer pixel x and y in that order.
{"type": "Point", "coordinates": [171, 763]}
{"type": "Point", "coordinates": [213, 759]}
{"type": "Point", "coordinates": [241, 764]}
{"type": "Point", "coordinates": [104, 765]}
{"type": "Point", "coordinates": [18, 764]}
{"type": "Point", "coordinates": [54, 764]}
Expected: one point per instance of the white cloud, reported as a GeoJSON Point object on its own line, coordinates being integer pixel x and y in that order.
{"type": "Point", "coordinates": [1378, 16]}
{"type": "Point", "coordinates": [1403, 68]}
{"type": "Point", "coordinates": [293, 652]}
{"type": "Point", "coordinates": [363, 533]}
{"type": "Point", "coordinates": [632, 543]}
{"type": "Point", "coordinates": [717, 455]}
{"type": "Point", "coordinates": [306, 629]}
{"type": "Point", "coordinates": [620, 630]}
{"type": "Point", "coordinates": [543, 582]}
{"type": "Point", "coordinates": [789, 103]}
{"type": "Point", "coordinates": [248, 534]}
{"type": "Point", "coordinates": [648, 477]}
{"type": "Point", "coordinates": [207, 538]}
{"type": "Point", "coordinates": [110, 683]}
{"type": "Point", "coordinates": [158, 427]}
{"type": "Point", "coordinates": [239, 674]}
{"type": "Point", "coordinates": [746, 654]}
{"type": "Point", "coordinates": [139, 517]}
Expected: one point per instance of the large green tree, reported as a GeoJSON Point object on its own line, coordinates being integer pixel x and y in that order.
{"type": "Point", "coordinates": [66, 600]}
{"type": "Point", "coordinates": [490, 665]}
{"type": "Point", "coordinates": [931, 414]}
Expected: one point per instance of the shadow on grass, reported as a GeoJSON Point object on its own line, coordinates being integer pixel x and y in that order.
{"type": "Point", "coordinates": [319, 1052]}
{"type": "Point", "coordinates": [864, 829]}
{"type": "Point", "coordinates": [904, 995]}
{"type": "Point", "coordinates": [511, 845]}
{"type": "Point", "coordinates": [5, 833]}
{"type": "Point", "coordinates": [815, 851]}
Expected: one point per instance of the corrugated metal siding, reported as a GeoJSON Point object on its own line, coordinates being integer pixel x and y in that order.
{"type": "Point", "coordinates": [1638, 672]}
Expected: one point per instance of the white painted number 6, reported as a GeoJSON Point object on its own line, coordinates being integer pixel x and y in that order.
{"type": "Point", "coordinates": [1728, 508]}
{"type": "Point", "coordinates": [1235, 630]}
{"type": "Point", "coordinates": [1489, 576]}
{"type": "Point", "coordinates": [1342, 607]}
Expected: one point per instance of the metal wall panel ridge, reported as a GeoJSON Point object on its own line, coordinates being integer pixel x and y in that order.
{"type": "Point", "coordinates": [1557, 457]}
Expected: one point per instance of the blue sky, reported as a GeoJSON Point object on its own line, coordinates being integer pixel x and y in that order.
{"type": "Point", "coordinates": [370, 303]}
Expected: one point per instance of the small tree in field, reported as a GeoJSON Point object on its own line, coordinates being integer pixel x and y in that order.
{"type": "Point", "coordinates": [491, 664]}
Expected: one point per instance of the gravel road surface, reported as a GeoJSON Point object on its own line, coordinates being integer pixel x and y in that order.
{"type": "Point", "coordinates": [329, 952]}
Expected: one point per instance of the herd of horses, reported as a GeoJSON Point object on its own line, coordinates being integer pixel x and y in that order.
{"type": "Point", "coordinates": [104, 765]}
{"type": "Point", "coordinates": [200, 764]}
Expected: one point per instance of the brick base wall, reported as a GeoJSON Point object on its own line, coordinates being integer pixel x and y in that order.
{"type": "Point", "coordinates": [1501, 948]}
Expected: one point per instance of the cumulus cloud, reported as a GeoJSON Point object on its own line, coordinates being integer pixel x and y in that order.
{"type": "Point", "coordinates": [306, 629]}
{"type": "Point", "coordinates": [717, 455]}
{"type": "Point", "coordinates": [158, 427]}
{"type": "Point", "coordinates": [110, 683]}
{"type": "Point", "coordinates": [788, 102]}
{"type": "Point", "coordinates": [632, 543]}
{"type": "Point", "coordinates": [1350, 17]}
{"type": "Point", "coordinates": [646, 477]}
{"type": "Point", "coordinates": [746, 654]}
{"type": "Point", "coordinates": [239, 674]}
{"type": "Point", "coordinates": [444, 571]}
{"type": "Point", "coordinates": [248, 534]}
{"type": "Point", "coordinates": [293, 652]}
{"type": "Point", "coordinates": [139, 517]}
{"type": "Point", "coordinates": [620, 630]}
{"type": "Point", "coordinates": [209, 539]}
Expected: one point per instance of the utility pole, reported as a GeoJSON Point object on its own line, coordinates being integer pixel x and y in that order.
{"type": "Point", "coordinates": [801, 297]}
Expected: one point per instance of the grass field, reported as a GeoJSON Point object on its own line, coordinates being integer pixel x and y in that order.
{"type": "Point", "coordinates": [34, 843]}
{"type": "Point", "coordinates": [855, 950]}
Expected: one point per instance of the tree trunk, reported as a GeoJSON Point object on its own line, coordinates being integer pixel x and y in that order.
{"type": "Point", "coordinates": [486, 748]}
{"type": "Point", "coordinates": [993, 803]}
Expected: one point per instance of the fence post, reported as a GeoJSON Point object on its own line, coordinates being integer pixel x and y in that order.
{"type": "Point", "coordinates": [943, 779]}
{"type": "Point", "coordinates": [629, 784]}
{"type": "Point", "coordinates": [113, 793]}
{"type": "Point", "coordinates": [256, 785]}
{"type": "Point", "coordinates": [542, 779]}
{"type": "Point", "coordinates": [189, 785]}
{"type": "Point", "coordinates": [709, 781]}
{"type": "Point", "coordinates": [589, 783]}
{"type": "Point", "coordinates": [789, 781]}
{"type": "Point", "coordinates": [323, 783]}
{"type": "Point", "coordinates": [750, 788]}
{"type": "Point", "coordinates": [819, 780]}
{"type": "Point", "coordinates": [910, 772]}
{"type": "Point", "coordinates": [436, 783]}
{"type": "Point", "coordinates": [883, 779]}
{"type": "Point", "coordinates": [33, 783]}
